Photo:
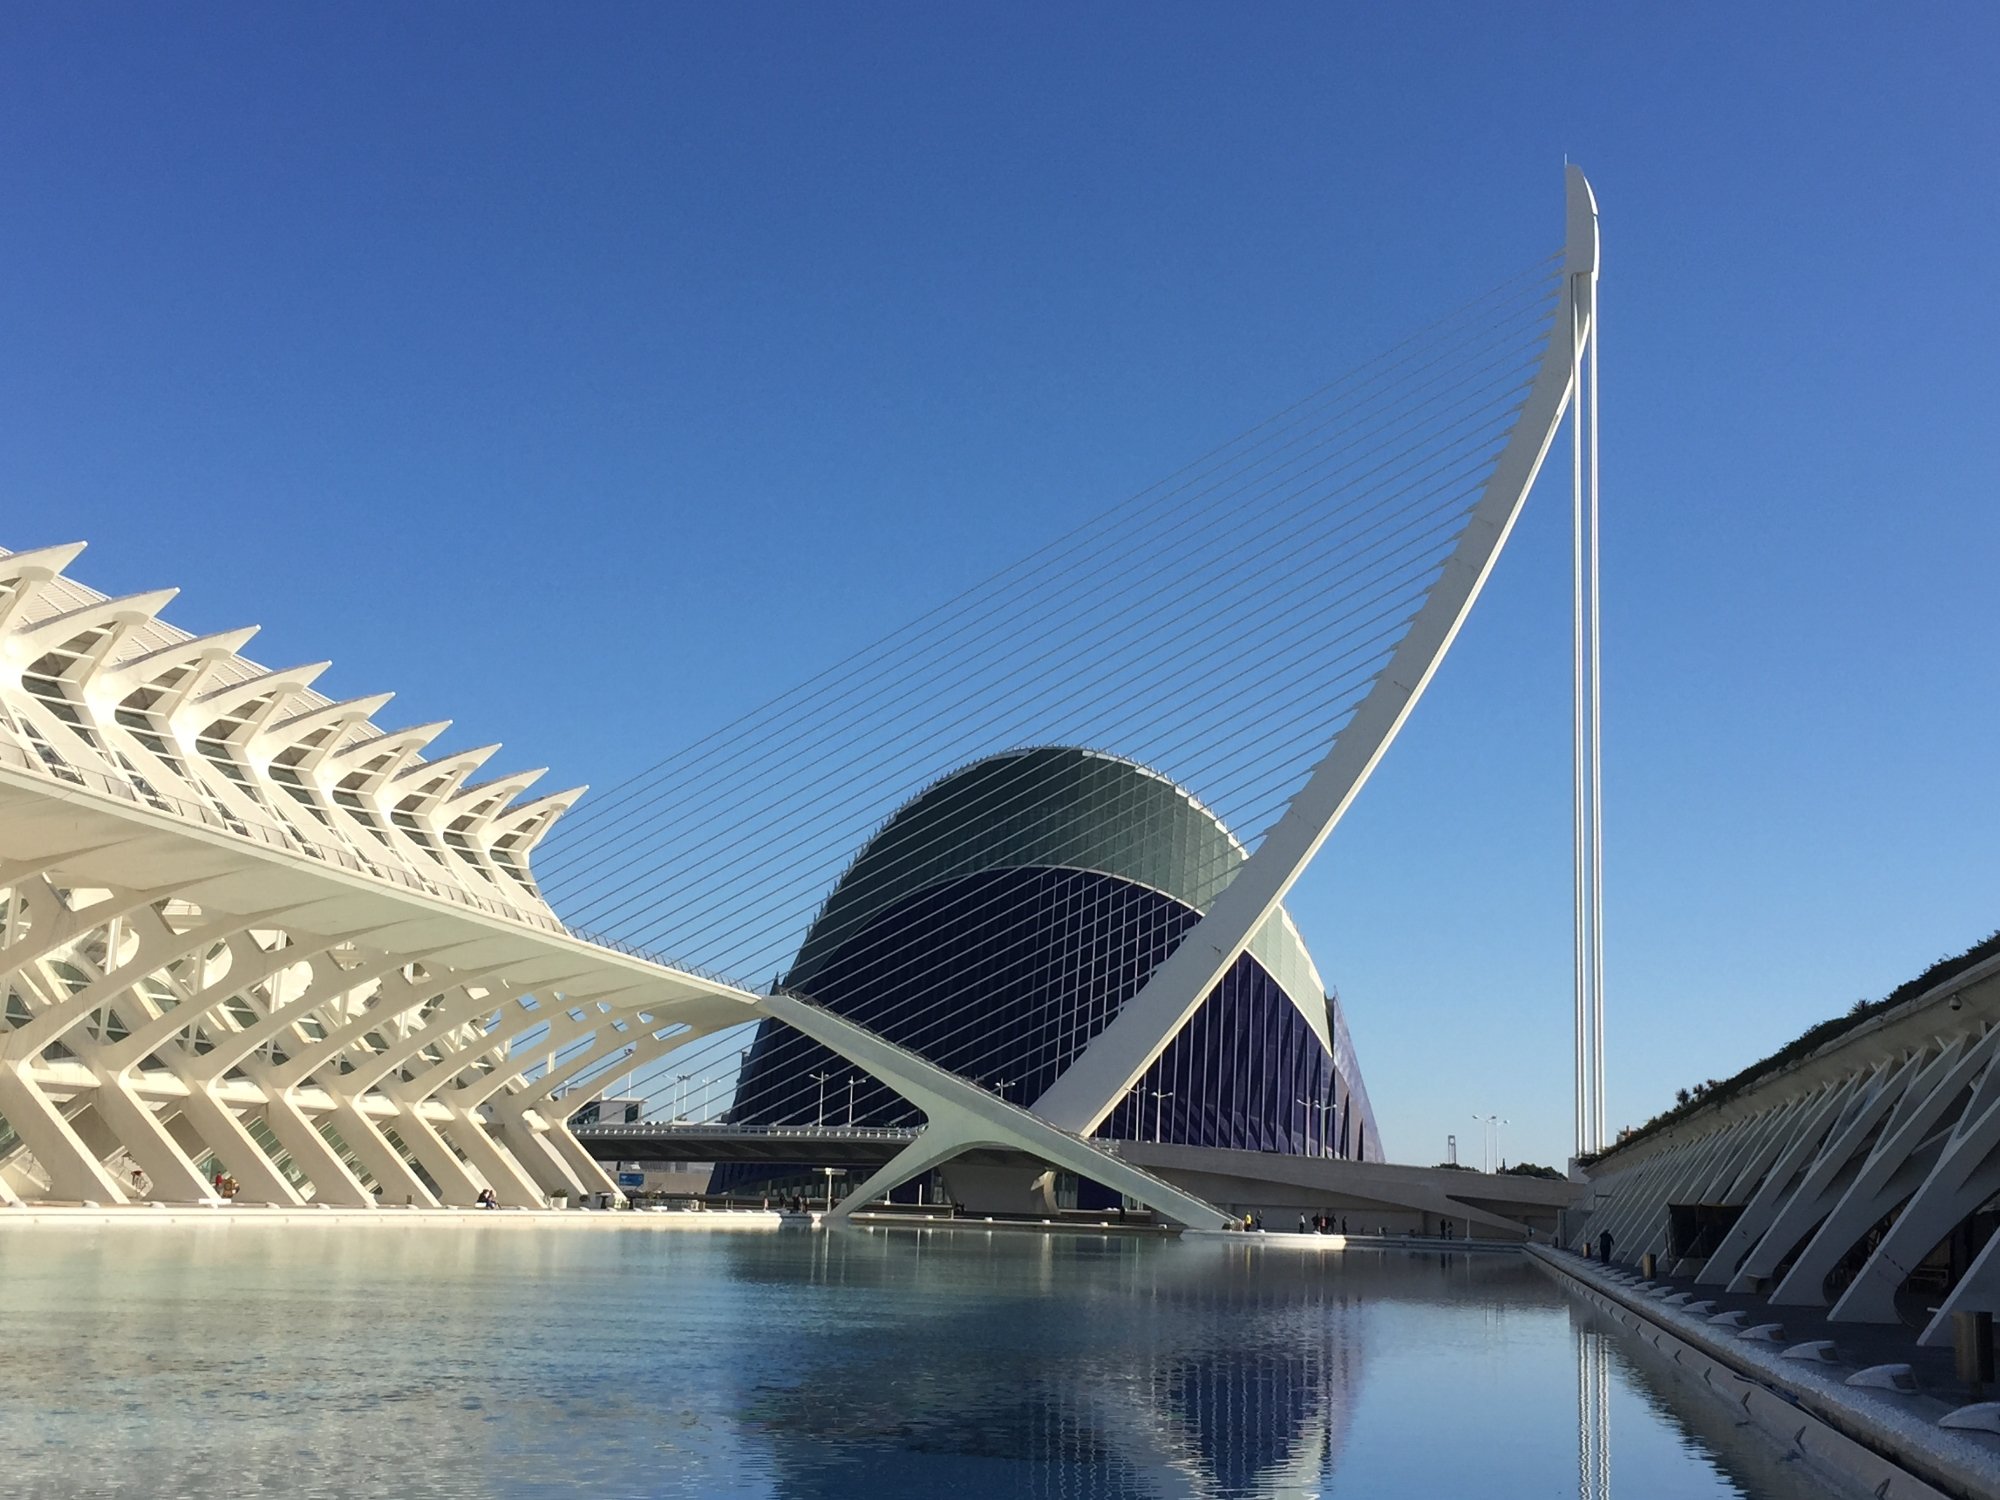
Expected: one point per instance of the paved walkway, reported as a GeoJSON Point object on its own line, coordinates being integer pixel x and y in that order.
{"type": "Point", "coordinates": [1902, 1424]}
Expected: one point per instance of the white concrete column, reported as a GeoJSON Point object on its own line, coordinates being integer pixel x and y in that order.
{"type": "Point", "coordinates": [333, 1182]}
{"type": "Point", "coordinates": [510, 1182]}
{"type": "Point", "coordinates": [255, 1173]}
{"type": "Point", "coordinates": [1883, 1181]}
{"type": "Point", "coordinates": [457, 1184]}
{"type": "Point", "coordinates": [146, 1139]}
{"type": "Point", "coordinates": [1966, 1175]}
{"type": "Point", "coordinates": [1979, 1291]}
{"type": "Point", "coordinates": [372, 1148]}
{"type": "Point", "coordinates": [1807, 1203]}
{"type": "Point", "coordinates": [542, 1161]}
{"type": "Point", "coordinates": [1769, 1195]}
{"type": "Point", "coordinates": [73, 1170]}
{"type": "Point", "coordinates": [587, 1168]}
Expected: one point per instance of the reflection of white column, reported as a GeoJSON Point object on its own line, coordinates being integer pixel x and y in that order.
{"type": "Point", "coordinates": [1585, 1468]}
{"type": "Point", "coordinates": [1593, 1415]}
{"type": "Point", "coordinates": [1603, 1423]}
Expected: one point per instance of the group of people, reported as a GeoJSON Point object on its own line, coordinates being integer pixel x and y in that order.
{"type": "Point", "coordinates": [1323, 1224]}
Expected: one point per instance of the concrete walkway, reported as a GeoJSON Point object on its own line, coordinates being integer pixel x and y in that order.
{"type": "Point", "coordinates": [1779, 1386]}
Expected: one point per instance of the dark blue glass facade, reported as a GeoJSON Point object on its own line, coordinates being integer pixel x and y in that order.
{"type": "Point", "coordinates": [1004, 974]}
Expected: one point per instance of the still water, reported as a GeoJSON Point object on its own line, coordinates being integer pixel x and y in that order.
{"type": "Point", "coordinates": [529, 1361]}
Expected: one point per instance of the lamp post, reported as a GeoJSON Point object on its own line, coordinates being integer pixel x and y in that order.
{"type": "Point", "coordinates": [830, 1172]}
{"type": "Point", "coordinates": [680, 1095]}
{"type": "Point", "coordinates": [1491, 1141]}
{"type": "Point", "coordinates": [1160, 1098]}
{"type": "Point", "coordinates": [1324, 1105]}
{"type": "Point", "coordinates": [850, 1101]}
{"type": "Point", "coordinates": [821, 1080]}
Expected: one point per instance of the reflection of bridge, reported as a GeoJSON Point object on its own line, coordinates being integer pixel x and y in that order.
{"type": "Point", "coordinates": [250, 933]}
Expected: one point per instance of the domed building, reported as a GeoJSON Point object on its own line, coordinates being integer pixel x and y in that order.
{"type": "Point", "coordinates": [1000, 919]}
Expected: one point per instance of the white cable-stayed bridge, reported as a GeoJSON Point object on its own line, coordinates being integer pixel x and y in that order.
{"type": "Point", "coordinates": [1012, 878]}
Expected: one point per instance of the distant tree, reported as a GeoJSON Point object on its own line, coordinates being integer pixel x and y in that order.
{"type": "Point", "coordinates": [1531, 1169]}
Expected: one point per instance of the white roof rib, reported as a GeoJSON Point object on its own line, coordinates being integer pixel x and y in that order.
{"type": "Point", "coordinates": [442, 776]}
{"type": "Point", "coordinates": [278, 685]}
{"type": "Point", "coordinates": [522, 827]}
{"type": "Point", "coordinates": [122, 674]}
{"type": "Point", "coordinates": [401, 745]}
{"type": "Point", "coordinates": [53, 631]}
{"type": "Point", "coordinates": [206, 678]}
{"type": "Point", "coordinates": [285, 732]}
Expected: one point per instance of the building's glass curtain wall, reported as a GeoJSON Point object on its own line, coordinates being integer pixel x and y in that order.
{"type": "Point", "coordinates": [1000, 921]}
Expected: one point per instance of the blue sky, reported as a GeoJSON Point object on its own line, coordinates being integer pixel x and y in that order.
{"type": "Point", "coordinates": [589, 375]}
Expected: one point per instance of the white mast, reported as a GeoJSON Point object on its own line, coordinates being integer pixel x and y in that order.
{"type": "Point", "coordinates": [1587, 754]}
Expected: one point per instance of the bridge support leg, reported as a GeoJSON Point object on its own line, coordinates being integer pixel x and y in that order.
{"type": "Point", "coordinates": [934, 1146]}
{"type": "Point", "coordinates": [962, 1115]}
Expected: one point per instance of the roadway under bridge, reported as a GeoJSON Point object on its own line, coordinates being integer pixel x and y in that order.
{"type": "Point", "coordinates": [1371, 1195]}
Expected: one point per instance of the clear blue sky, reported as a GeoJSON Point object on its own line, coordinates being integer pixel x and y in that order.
{"type": "Point", "coordinates": [588, 374]}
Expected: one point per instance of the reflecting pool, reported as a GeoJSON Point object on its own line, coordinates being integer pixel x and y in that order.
{"type": "Point", "coordinates": [244, 1360]}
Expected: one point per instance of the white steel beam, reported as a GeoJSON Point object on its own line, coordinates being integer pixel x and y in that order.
{"type": "Point", "coordinates": [1878, 1186]}
{"type": "Point", "coordinates": [1113, 1062]}
{"type": "Point", "coordinates": [973, 1116]}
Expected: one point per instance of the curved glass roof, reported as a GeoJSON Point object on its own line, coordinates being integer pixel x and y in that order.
{"type": "Point", "coordinates": [1054, 807]}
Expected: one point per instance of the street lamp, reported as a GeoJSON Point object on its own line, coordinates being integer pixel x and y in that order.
{"type": "Point", "coordinates": [1492, 1140]}
{"type": "Point", "coordinates": [1160, 1098]}
{"type": "Point", "coordinates": [821, 1080]}
{"type": "Point", "coordinates": [1324, 1105]}
{"type": "Point", "coordinates": [680, 1095]}
{"type": "Point", "coordinates": [850, 1101]}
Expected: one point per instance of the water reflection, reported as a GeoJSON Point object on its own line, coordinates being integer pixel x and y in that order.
{"type": "Point", "coordinates": [1593, 1415]}
{"type": "Point", "coordinates": [1175, 1376]}
{"type": "Point", "coordinates": [532, 1362]}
